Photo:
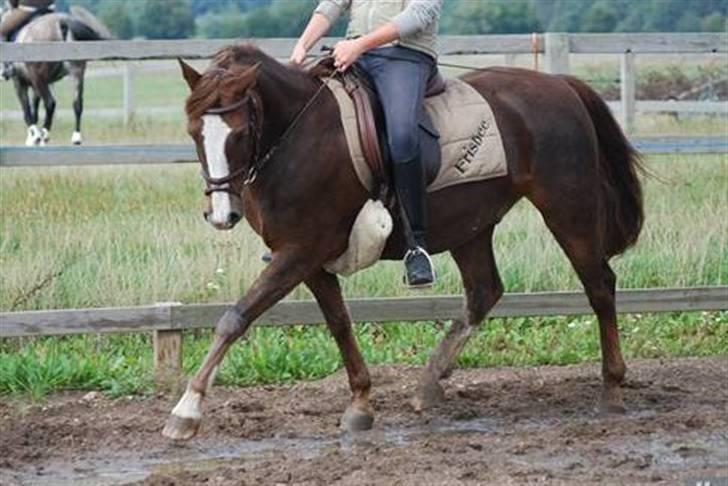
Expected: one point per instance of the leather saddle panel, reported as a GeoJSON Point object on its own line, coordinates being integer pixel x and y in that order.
{"type": "Point", "coordinates": [371, 126]}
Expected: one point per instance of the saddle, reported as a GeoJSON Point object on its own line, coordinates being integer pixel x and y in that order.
{"type": "Point", "coordinates": [371, 126]}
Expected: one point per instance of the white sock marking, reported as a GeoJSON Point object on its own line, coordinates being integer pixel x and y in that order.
{"type": "Point", "coordinates": [214, 132]}
{"type": "Point", "coordinates": [189, 405]}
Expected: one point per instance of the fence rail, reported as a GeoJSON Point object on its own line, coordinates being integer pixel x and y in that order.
{"type": "Point", "coordinates": [653, 43]}
{"type": "Point", "coordinates": [179, 154]}
{"type": "Point", "coordinates": [168, 320]}
{"type": "Point", "coordinates": [177, 317]}
{"type": "Point", "coordinates": [555, 47]}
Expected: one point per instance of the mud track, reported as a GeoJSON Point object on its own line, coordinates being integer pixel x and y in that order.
{"type": "Point", "coordinates": [498, 426]}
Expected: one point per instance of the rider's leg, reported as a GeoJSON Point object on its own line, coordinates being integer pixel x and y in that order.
{"type": "Point", "coordinates": [10, 22]}
{"type": "Point", "coordinates": [400, 76]}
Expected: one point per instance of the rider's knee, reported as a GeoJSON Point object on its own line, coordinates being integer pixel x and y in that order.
{"type": "Point", "coordinates": [403, 145]}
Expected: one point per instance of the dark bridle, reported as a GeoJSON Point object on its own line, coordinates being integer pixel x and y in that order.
{"type": "Point", "coordinates": [255, 120]}
{"type": "Point", "coordinates": [254, 123]}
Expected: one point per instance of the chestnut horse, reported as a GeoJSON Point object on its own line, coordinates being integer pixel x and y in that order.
{"type": "Point", "coordinates": [566, 154]}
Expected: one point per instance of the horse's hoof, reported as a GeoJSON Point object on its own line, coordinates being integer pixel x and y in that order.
{"type": "Point", "coordinates": [34, 136]}
{"type": "Point", "coordinates": [76, 138]}
{"type": "Point", "coordinates": [356, 420]}
{"type": "Point", "coordinates": [181, 428]}
{"type": "Point", "coordinates": [429, 394]}
{"type": "Point", "coordinates": [612, 402]}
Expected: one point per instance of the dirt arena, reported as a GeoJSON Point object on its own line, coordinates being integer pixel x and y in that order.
{"type": "Point", "coordinates": [498, 426]}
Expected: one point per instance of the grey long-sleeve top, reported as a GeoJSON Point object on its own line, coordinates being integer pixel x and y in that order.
{"type": "Point", "coordinates": [417, 21]}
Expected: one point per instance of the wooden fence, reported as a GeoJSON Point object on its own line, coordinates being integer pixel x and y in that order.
{"type": "Point", "coordinates": [554, 47]}
{"type": "Point", "coordinates": [168, 320]}
{"type": "Point", "coordinates": [180, 154]}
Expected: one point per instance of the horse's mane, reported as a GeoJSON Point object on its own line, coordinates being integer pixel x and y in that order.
{"type": "Point", "coordinates": [226, 72]}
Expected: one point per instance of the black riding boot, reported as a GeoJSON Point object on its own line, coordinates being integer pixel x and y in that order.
{"type": "Point", "coordinates": [409, 178]}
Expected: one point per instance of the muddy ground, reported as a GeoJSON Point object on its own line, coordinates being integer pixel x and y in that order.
{"type": "Point", "coordinates": [498, 426]}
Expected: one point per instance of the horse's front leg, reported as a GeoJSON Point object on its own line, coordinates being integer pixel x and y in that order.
{"type": "Point", "coordinates": [325, 287]}
{"type": "Point", "coordinates": [277, 280]}
{"type": "Point", "coordinates": [30, 116]}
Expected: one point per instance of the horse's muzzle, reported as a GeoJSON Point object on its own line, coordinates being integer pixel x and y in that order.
{"type": "Point", "coordinates": [232, 219]}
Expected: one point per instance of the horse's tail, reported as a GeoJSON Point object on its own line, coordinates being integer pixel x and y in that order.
{"type": "Point", "coordinates": [619, 163]}
{"type": "Point", "coordinates": [84, 26]}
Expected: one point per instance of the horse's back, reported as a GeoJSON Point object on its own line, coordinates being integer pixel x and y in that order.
{"type": "Point", "coordinates": [45, 28]}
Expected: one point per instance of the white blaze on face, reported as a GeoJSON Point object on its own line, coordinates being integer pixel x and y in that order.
{"type": "Point", "coordinates": [214, 132]}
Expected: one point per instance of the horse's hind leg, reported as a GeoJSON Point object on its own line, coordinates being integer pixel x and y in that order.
{"type": "Point", "coordinates": [483, 288]}
{"type": "Point", "coordinates": [277, 280]}
{"type": "Point", "coordinates": [325, 287]}
{"type": "Point", "coordinates": [582, 245]}
{"type": "Point", "coordinates": [49, 103]}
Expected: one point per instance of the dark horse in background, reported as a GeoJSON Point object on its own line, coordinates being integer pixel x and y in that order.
{"type": "Point", "coordinates": [566, 154]}
{"type": "Point", "coordinates": [79, 25]}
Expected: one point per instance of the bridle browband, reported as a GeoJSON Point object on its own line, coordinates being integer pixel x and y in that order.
{"type": "Point", "coordinates": [255, 120]}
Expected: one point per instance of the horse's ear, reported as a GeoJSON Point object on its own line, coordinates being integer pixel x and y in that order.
{"type": "Point", "coordinates": [189, 73]}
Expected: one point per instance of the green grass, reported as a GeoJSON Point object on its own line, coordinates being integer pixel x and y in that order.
{"type": "Point", "coordinates": [126, 236]}
{"type": "Point", "coordinates": [122, 365]}
{"type": "Point", "coordinates": [85, 237]}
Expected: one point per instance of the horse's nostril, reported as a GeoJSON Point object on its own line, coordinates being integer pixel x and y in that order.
{"type": "Point", "coordinates": [234, 217]}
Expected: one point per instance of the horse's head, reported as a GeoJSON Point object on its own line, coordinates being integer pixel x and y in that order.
{"type": "Point", "coordinates": [224, 118]}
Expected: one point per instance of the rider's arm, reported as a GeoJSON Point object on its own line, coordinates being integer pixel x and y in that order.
{"type": "Point", "coordinates": [417, 16]}
{"type": "Point", "coordinates": [325, 15]}
{"type": "Point", "coordinates": [316, 29]}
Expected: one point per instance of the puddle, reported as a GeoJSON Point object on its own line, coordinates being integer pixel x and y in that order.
{"type": "Point", "coordinates": [668, 451]}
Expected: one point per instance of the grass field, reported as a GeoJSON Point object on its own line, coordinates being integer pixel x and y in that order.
{"type": "Point", "coordinates": [85, 237]}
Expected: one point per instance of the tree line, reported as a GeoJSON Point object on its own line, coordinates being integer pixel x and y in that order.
{"type": "Point", "coordinates": [172, 19]}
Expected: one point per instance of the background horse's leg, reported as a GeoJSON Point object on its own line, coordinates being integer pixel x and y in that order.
{"type": "Point", "coordinates": [49, 103]}
{"type": "Point", "coordinates": [276, 281]}
{"type": "Point", "coordinates": [35, 107]}
{"type": "Point", "coordinates": [326, 289]}
{"type": "Point", "coordinates": [483, 288]}
{"type": "Point", "coordinates": [29, 115]}
{"type": "Point", "coordinates": [76, 71]}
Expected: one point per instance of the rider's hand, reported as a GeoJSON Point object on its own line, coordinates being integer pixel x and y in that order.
{"type": "Point", "coordinates": [298, 55]}
{"type": "Point", "coordinates": [347, 52]}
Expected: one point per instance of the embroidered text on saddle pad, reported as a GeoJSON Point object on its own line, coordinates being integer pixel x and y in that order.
{"type": "Point", "coordinates": [470, 142]}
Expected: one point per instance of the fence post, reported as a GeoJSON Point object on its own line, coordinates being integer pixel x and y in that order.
{"type": "Point", "coordinates": [168, 354]}
{"type": "Point", "coordinates": [556, 53]}
{"type": "Point", "coordinates": [128, 78]}
{"type": "Point", "coordinates": [628, 83]}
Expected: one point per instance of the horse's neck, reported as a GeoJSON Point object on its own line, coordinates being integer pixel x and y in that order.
{"type": "Point", "coordinates": [283, 98]}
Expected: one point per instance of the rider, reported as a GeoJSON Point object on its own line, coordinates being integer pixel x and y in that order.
{"type": "Point", "coordinates": [19, 14]}
{"type": "Point", "coordinates": [394, 43]}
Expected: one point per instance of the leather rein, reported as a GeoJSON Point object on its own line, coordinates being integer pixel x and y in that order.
{"type": "Point", "coordinates": [255, 120]}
